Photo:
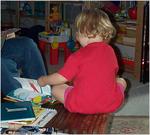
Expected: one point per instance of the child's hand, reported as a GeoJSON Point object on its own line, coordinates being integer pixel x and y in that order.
{"type": "Point", "coordinates": [42, 81]}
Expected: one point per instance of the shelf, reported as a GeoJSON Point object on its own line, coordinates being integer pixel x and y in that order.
{"type": "Point", "coordinates": [128, 62]}
{"type": "Point", "coordinates": [128, 65]}
{"type": "Point", "coordinates": [8, 11]}
{"type": "Point", "coordinates": [123, 44]}
{"type": "Point", "coordinates": [129, 69]}
{"type": "Point", "coordinates": [33, 17]}
{"type": "Point", "coordinates": [126, 43]}
{"type": "Point", "coordinates": [131, 23]}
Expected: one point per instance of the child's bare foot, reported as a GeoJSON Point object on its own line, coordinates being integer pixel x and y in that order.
{"type": "Point", "coordinates": [122, 81]}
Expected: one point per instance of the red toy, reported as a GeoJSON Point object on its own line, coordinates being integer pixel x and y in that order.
{"type": "Point", "coordinates": [132, 12]}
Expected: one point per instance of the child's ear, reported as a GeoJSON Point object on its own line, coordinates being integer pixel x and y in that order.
{"type": "Point", "coordinates": [107, 40]}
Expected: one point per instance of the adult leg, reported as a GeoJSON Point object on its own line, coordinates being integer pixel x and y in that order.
{"type": "Point", "coordinates": [25, 53]}
{"type": "Point", "coordinates": [8, 83]}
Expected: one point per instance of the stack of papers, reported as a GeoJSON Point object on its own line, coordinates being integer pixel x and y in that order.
{"type": "Point", "coordinates": [43, 116]}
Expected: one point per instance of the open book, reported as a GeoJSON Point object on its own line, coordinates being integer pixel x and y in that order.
{"type": "Point", "coordinates": [30, 90]}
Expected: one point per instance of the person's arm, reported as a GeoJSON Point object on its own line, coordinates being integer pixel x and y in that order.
{"type": "Point", "coordinates": [53, 79]}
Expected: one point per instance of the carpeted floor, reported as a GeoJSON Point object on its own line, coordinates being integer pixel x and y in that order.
{"type": "Point", "coordinates": [137, 100]}
{"type": "Point", "coordinates": [129, 125]}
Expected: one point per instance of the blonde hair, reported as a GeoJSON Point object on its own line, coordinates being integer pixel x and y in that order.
{"type": "Point", "coordinates": [93, 22]}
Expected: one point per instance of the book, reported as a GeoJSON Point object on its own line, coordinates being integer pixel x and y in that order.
{"type": "Point", "coordinates": [41, 113]}
{"type": "Point", "coordinates": [129, 40]}
{"type": "Point", "coordinates": [133, 22]}
{"type": "Point", "coordinates": [131, 32]}
{"type": "Point", "coordinates": [32, 84]}
{"type": "Point", "coordinates": [28, 130]}
{"type": "Point", "coordinates": [42, 117]}
{"type": "Point", "coordinates": [10, 99]}
{"type": "Point", "coordinates": [30, 90]}
{"type": "Point", "coordinates": [17, 111]}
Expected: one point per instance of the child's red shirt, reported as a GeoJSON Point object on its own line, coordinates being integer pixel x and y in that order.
{"type": "Point", "coordinates": [93, 70]}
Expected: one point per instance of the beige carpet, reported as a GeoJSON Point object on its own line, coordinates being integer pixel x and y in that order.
{"type": "Point", "coordinates": [129, 125]}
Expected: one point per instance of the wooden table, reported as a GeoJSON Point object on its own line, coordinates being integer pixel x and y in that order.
{"type": "Point", "coordinates": [67, 122]}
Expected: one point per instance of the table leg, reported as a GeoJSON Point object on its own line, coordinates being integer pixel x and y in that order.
{"type": "Point", "coordinates": [53, 56]}
{"type": "Point", "coordinates": [67, 51]}
{"type": "Point", "coordinates": [42, 45]}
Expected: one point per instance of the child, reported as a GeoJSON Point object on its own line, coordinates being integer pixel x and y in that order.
{"type": "Point", "coordinates": [92, 69]}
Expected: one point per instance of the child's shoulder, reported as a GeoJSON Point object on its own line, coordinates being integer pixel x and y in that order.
{"type": "Point", "coordinates": [106, 45]}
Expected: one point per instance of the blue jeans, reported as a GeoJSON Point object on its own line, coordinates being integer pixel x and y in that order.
{"type": "Point", "coordinates": [20, 53]}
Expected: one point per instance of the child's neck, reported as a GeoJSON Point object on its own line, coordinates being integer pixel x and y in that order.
{"type": "Point", "coordinates": [95, 39]}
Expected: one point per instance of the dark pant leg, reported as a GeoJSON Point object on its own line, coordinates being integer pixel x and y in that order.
{"type": "Point", "coordinates": [8, 83]}
{"type": "Point", "coordinates": [25, 53]}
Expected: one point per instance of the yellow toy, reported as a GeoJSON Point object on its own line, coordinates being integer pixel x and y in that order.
{"type": "Point", "coordinates": [37, 99]}
{"type": "Point", "coordinates": [54, 16]}
{"type": "Point", "coordinates": [55, 43]}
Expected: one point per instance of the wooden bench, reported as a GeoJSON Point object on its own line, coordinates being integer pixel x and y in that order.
{"type": "Point", "coordinates": [76, 123]}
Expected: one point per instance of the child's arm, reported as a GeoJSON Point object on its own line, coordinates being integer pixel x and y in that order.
{"type": "Point", "coordinates": [53, 79]}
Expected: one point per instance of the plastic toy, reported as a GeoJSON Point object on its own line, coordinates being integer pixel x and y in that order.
{"type": "Point", "coordinates": [71, 43]}
{"type": "Point", "coordinates": [37, 99]}
{"type": "Point", "coordinates": [55, 43]}
{"type": "Point", "coordinates": [54, 16]}
{"type": "Point", "coordinates": [27, 8]}
{"type": "Point", "coordinates": [132, 12]}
